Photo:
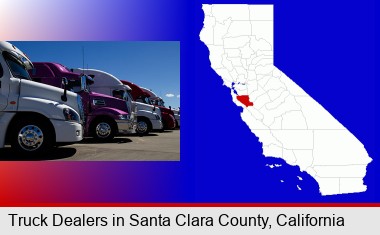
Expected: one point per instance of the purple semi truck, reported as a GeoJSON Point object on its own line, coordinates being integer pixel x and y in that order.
{"type": "Point", "coordinates": [105, 116]}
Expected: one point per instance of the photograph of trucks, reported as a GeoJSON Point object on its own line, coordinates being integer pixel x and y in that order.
{"type": "Point", "coordinates": [142, 97]}
{"type": "Point", "coordinates": [47, 107]}
{"type": "Point", "coordinates": [105, 116]}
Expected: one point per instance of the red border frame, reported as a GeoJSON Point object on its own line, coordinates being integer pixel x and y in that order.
{"type": "Point", "coordinates": [190, 205]}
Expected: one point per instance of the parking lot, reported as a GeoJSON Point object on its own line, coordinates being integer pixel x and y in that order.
{"type": "Point", "coordinates": [156, 146]}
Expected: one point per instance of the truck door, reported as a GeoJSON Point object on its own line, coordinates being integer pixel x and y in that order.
{"type": "Point", "coordinates": [3, 90]}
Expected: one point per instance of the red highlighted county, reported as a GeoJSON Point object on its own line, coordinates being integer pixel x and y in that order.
{"type": "Point", "coordinates": [244, 99]}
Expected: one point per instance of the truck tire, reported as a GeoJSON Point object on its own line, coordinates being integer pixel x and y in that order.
{"type": "Point", "coordinates": [143, 126]}
{"type": "Point", "coordinates": [31, 136]}
{"type": "Point", "coordinates": [103, 129]}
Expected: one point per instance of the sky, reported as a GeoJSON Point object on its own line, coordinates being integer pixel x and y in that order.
{"type": "Point", "coordinates": [151, 64]}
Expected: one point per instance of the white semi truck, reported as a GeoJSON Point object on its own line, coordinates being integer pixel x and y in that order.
{"type": "Point", "coordinates": [34, 116]}
{"type": "Point", "coordinates": [148, 117]}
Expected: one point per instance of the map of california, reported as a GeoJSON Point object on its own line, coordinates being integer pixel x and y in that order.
{"type": "Point", "coordinates": [288, 122]}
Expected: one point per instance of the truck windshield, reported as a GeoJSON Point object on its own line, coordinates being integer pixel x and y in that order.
{"type": "Point", "coordinates": [79, 85]}
{"type": "Point", "coordinates": [17, 68]}
{"type": "Point", "coordinates": [120, 94]}
{"type": "Point", "coordinates": [158, 102]}
{"type": "Point", "coordinates": [129, 95]}
{"type": "Point", "coordinates": [161, 103]}
{"type": "Point", "coordinates": [147, 100]}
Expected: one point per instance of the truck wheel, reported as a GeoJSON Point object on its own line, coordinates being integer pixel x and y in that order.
{"type": "Point", "coordinates": [31, 137]}
{"type": "Point", "coordinates": [143, 126]}
{"type": "Point", "coordinates": [104, 130]}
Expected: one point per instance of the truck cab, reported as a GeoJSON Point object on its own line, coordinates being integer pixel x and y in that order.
{"type": "Point", "coordinates": [148, 116]}
{"type": "Point", "coordinates": [171, 117]}
{"type": "Point", "coordinates": [144, 106]}
{"type": "Point", "coordinates": [33, 116]}
{"type": "Point", "coordinates": [105, 116]}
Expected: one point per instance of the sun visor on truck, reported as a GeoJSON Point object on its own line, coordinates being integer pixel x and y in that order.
{"type": "Point", "coordinates": [24, 60]}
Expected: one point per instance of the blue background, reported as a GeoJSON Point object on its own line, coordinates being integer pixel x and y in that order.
{"type": "Point", "coordinates": [328, 47]}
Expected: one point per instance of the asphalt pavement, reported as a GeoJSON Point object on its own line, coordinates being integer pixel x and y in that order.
{"type": "Point", "coordinates": [163, 146]}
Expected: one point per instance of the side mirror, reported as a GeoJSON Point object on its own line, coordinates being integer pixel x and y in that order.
{"type": "Point", "coordinates": [83, 83]}
{"type": "Point", "coordinates": [154, 108]}
{"type": "Point", "coordinates": [170, 107]}
{"type": "Point", "coordinates": [64, 84]}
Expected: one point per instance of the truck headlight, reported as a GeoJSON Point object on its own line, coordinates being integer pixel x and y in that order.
{"type": "Point", "coordinates": [70, 115]}
{"type": "Point", "coordinates": [124, 117]}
